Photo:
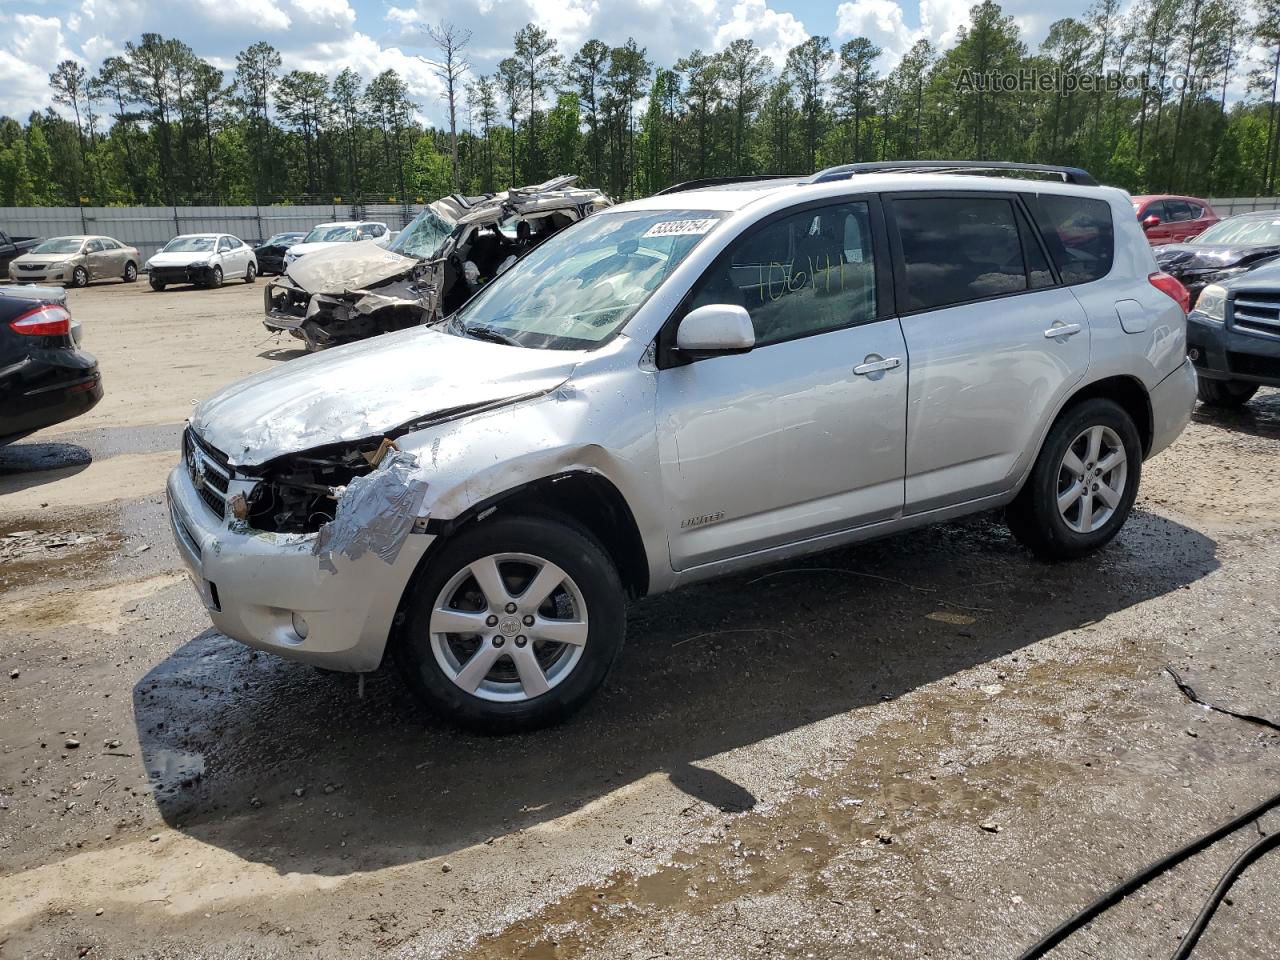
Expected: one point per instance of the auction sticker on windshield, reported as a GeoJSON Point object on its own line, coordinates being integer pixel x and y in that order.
{"type": "Point", "coordinates": [681, 228]}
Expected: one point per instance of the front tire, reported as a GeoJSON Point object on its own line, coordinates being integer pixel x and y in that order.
{"type": "Point", "coordinates": [512, 625]}
{"type": "Point", "coordinates": [250, 273]}
{"type": "Point", "coordinates": [130, 272]}
{"type": "Point", "coordinates": [156, 285]}
{"type": "Point", "coordinates": [1083, 484]}
{"type": "Point", "coordinates": [215, 278]}
{"type": "Point", "coordinates": [79, 277]}
{"type": "Point", "coordinates": [1224, 393]}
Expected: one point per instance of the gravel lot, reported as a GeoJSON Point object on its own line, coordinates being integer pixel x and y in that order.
{"type": "Point", "coordinates": [931, 746]}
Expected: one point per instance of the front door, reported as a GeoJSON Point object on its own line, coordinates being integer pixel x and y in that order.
{"type": "Point", "coordinates": [803, 435]}
{"type": "Point", "coordinates": [995, 342]}
{"type": "Point", "coordinates": [95, 260]}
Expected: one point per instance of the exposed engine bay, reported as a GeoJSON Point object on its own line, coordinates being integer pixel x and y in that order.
{"type": "Point", "coordinates": [299, 493]}
{"type": "Point", "coordinates": [439, 261]}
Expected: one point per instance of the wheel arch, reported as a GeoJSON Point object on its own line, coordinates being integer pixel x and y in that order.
{"type": "Point", "coordinates": [1129, 393]}
{"type": "Point", "coordinates": [581, 498]}
{"type": "Point", "coordinates": [1123, 389]}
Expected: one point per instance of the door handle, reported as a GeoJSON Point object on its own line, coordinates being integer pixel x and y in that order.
{"type": "Point", "coordinates": [877, 366]}
{"type": "Point", "coordinates": [1062, 330]}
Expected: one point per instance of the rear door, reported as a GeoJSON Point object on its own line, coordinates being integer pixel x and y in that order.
{"type": "Point", "coordinates": [995, 341]}
{"type": "Point", "coordinates": [1181, 220]}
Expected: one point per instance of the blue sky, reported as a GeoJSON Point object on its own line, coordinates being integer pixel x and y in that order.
{"type": "Point", "coordinates": [372, 35]}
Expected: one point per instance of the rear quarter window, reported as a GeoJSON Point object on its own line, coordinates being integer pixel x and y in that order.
{"type": "Point", "coordinates": [1079, 234]}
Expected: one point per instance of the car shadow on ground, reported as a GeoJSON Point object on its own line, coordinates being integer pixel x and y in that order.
{"type": "Point", "coordinates": [1260, 417]}
{"type": "Point", "coordinates": [283, 353]}
{"type": "Point", "coordinates": [29, 464]}
{"type": "Point", "coordinates": [229, 736]}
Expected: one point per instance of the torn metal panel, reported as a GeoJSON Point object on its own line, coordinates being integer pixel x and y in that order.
{"type": "Point", "coordinates": [347, 266]}
{"type": "Point", "coordinates": [369, 389]}
{"type": "Point", "coordinates": [375, 514]}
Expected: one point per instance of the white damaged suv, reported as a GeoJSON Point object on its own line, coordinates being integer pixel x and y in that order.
{"type": "Point", "coordinates": [724, 375]}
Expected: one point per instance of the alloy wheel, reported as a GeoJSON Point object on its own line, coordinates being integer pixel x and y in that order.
{"type": "Point", "coordinates": [1091, 478]}
{"type": "Point", "coordinates": [509, 627]}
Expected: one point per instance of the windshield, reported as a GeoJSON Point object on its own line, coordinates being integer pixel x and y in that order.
{"type": "Point", "coordinates": [280, 238]}
{"type": "Point", "coordinates": [185, 244]}
{"type": "Point", "coordinates": [1260, 231]}
{"type": "Point", "coordinates": [59, 245]}
{"type": "Point", "coordinates": [573, 291]}
{"type": "Point", "coordinates": [423, 236]}
{"type": "Point", "coordinates": [327, 233]}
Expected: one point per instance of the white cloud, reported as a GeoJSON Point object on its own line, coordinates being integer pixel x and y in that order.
{"type": "Point", "coordinates": [773, 31]}
{"type": "Point", "coordinates": [881, 22]}
{"type": "Point", "coordinates": [32, 40]}
{"type": "Point", "coordinates": [264, 14]}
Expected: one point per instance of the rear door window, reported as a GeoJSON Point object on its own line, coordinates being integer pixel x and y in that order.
{"type": "Point", "coordinates": [960, 249]}
{"type": "Point", "coordinates": [1179, 210]}
{"type": "Point", "coordinates": [1079, 234]}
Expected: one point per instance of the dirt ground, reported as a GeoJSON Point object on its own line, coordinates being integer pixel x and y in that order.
{"type": "Point", "coordinates": [930, 746]}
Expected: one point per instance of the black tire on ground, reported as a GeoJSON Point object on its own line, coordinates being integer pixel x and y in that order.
{"type": "Point", "coordinates": [79, 277]}
{"type": "Point", "coordinates": [250, 273]}
{"type": "Point", "coordinates": [576, 553]}
{"type": "Point", "coordinates": [156, 284]}
{"type": "Point", "coordinates": [1224, 393]}
{"type": "Point", "coordinates": [215, 278]}
{"type": "Point", "coordinates": [130, 272]}
{"type": "Point", "coordinates": [1034, 517]}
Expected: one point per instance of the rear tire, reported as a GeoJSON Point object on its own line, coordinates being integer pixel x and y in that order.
{"type": "Point", "coordinates": [1083, 484]}
{"type": "Point", "coordinates": [156, 285]}
{"type": "Point", "coordinates": [130, 272]}
{"type": "Point", "coordinates": [250, 273]}
{"type": "Point", "coordinates": [1224, 393]}
{"type": "Point", "coordinates": [509, 673]}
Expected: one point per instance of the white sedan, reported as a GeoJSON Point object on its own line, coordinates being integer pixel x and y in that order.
{"type": "Point", "coordinates": [325, 235]}
{"type": "Point", "coordinates": [205, 259]}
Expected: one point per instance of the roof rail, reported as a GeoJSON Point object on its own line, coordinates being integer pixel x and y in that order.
{"type": "Point", "coordinates": [720, 181]}
{"type": "Point", "coordinates": [1067, 174]}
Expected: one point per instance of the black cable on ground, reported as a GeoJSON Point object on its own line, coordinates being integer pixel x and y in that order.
{"type": "Point", "coordinates": [1122, 890]}
{"type": "Point", "coordinates": [1252, 853]}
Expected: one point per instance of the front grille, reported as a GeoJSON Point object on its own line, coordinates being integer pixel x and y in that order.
{"type": "Point", "coordinates": [1254, 366]}
{"type": "Point", "coordinates": [31, 266]}
{"type": "Point", "coordinates": [209, 471]}
{"type": "Point", "coordinates": [1256, 313]}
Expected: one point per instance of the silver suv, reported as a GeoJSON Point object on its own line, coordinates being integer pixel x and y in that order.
{"type": "Point", "coordinates": [724, 375]}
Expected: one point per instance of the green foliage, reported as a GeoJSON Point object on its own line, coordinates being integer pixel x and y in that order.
{"type": "Point", "coordinates": [158, 124]}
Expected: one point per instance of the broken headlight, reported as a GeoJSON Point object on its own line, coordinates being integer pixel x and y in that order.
{"type": "Point", "coordinates": [299, 493]}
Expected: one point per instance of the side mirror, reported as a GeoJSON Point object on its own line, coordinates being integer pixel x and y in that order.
{"type": "Point", "coordinates": [1150, 221]}
{"type": "Point", "coordinates": [714, 330]}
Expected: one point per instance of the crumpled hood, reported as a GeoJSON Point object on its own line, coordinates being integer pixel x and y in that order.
{"type": "Point", "coordinates": [180, 258]}
{"type": "Point", "coordinates": [368, 389]}
{"type": "Point", "coordinates": [1211, 256]}
{"type": "Point", "coordinates": [340, 267]}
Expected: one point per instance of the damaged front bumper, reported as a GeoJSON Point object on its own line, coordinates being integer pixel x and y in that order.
{"type": "Point", "coordinates": [328, 599]}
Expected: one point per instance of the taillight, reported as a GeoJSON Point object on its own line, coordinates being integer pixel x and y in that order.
{"type": "Point", "coordinates": [46, 321]}
{"type": "Point", "coordinates": [1172, 287]}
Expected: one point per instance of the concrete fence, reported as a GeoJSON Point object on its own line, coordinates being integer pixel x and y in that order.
{"type": "Point", "coordinates": [150, 228]}
{"type": "Point", "coordinates": [1230, 206]}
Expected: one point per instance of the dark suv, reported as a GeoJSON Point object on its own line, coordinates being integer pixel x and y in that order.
{"type": "Point", "coordinates": [1233, 337]}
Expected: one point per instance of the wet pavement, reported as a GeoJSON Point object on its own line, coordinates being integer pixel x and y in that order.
{"type": "Point", "coordinates": [929, 746]}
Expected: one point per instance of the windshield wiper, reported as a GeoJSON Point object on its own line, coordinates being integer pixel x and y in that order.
{"type": "Point", "coordinates": [479, 332]}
